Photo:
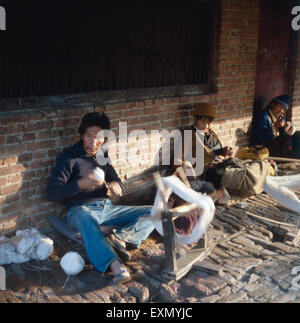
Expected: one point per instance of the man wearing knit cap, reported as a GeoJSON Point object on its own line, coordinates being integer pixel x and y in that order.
{"type": "Point", "coordinates": [221, 172]}
{"type": "Point", "coordinates": [271, 129]}
{"type": "Point", "coordinates": [204, 115]}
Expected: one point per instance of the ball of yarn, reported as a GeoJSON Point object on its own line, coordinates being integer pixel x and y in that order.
{"type": "Point", "coordinates": [72, 263]}
{"type": "Point", "coordinates": [99, 174]}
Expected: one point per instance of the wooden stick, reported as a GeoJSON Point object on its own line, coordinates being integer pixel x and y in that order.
{"type": "Point", "coordinates": [269, 220]}
{"type": "Point", "coordinates": [180, 171]}
{"type": "Point", "coordinates": [161, 188]}
{"type": "Point", "coordinates": [290, 160]}
{"type": "Point", "coordinates": [184, 208]}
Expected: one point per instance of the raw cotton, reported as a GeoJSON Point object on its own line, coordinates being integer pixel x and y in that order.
{"type": "Point", "coordinates": [281, 189]}
{"type": "Point", "coordinates": [32, 245]}
{"type": "Point", "coordinates": [205, 203]}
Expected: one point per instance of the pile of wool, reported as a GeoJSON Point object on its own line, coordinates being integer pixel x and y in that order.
{"type": "Point", "coordinates": [30, 244]}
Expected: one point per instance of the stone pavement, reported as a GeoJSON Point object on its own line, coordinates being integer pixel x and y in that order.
{"type": "Point", "coordinates": [252, 261]}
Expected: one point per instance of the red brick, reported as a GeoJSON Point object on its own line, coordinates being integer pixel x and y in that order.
{"type": "Point", "coordinates": [29, 136]}
{"type": "Point", "coordinates": [16, 178]}
{"type": "Point", "coordinates": [42, 145]}
{"type": "Point", "coordinates": [11, 170]}
{"type": "Point", "coordinates": [39, 125]}
{"type": "Point", "coordinates": [2, 181]}
{"type": "Point", "coordinates": [10, 189]}
{"type": "Point", "coordinates": [10, 161]}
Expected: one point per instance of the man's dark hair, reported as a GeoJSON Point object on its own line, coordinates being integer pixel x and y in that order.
{"type": "Point", "coordinates": [94, 119]}
{"type": "Point", "coordinates": [210, 119]}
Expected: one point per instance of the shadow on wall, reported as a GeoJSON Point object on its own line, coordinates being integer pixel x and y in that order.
{"type": "Point", "coordinates": [243, 138]}
{"type": "Point", "coordinates": [260, 102]}
{"type": "Point", "coordinates": [22, 194]}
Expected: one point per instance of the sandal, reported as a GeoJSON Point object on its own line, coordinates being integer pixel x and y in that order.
{"type": "Point", "coordinates": [121, 278]}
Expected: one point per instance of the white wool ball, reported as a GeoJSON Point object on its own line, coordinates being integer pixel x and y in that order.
{"type": "Point", "coordinates": [72, 263]}
{"type": "Point", "coordinates": [99, 174]}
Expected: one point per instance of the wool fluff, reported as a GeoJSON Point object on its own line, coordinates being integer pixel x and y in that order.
{"type": "Point", "coordinates": [34, 245]}
{"type": "Point", "coordinates": [31, 245]}
{"type": "Point", "coordinates": [72, 263]}
{"type": "Point", "coordinates": [99, 174]}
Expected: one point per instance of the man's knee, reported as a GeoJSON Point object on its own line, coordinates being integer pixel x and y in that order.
{"type": "Point", "coordinates": [80, 215]}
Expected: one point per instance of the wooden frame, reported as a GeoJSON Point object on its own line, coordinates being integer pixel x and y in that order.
{"type": "Point", "coordinates": [176, 266]}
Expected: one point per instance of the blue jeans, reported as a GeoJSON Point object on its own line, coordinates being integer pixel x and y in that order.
{"type": "Point", "coordinates": [126, 220]}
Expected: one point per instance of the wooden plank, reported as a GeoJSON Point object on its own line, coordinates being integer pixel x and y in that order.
{"type": "Point", "coordinates": [185, 263]}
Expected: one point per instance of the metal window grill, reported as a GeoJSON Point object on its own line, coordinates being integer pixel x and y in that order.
{"type": "Point", "coordinates": [59, 47]}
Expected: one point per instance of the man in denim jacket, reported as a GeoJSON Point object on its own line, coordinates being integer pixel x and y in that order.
{"type": "Point", "coordinates": [90, 210]}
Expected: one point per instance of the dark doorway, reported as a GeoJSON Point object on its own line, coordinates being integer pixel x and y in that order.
{"type": "Point", "coordinates": [274, 58]}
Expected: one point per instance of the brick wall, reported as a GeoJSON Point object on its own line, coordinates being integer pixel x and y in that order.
{"type": "Point", "coordinates": [30, 140]}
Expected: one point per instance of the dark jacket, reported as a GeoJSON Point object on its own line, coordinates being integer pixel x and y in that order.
{"type": "Point", "coordinates": [72, 165]}
{"type": "Point", "coordinates": [262, 132]}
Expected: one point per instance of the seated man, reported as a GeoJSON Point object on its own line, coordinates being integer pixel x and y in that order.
{"type": "Point", "coordinates": [270, 129]}
{"type": "Point", "coordinates": [220, 169]}
{"type": "Point", "coordinates": [90, 210]}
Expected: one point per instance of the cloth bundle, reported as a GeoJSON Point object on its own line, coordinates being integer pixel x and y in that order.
{"type": "Point", "coordinates": [280, 188]}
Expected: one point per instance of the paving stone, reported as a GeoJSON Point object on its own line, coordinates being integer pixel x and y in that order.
{"type": "Point", "coordinates": [236, 274]}
{"type": "Point", "coordinates": [283, 247]}
{"type": "Point", "coordinates": [129, 299]}
{"type": "Point", "coordinates": [141, 277]}
{"type": "Point", "coordinates": [233, 298]}
{"type": "Point", "coordinates": [252, 287]}
{"type": "Point", "coordinates": [260, 242]}
{"type": "Point", "coordinates": [289, 297]}
{"type": "Point", "coordinates": [243, 241]}
{"type": "Point", "coordinates": [212, 282]}
{"type": "Point", "coordinates": [238, 286]}
{"type": "Point", "coordinates": [190, 288]}
{"type": "Point", "coordinates": [104, 296]}
{"type": "Point", "coordinates": [281, 275]}
{"type": "Point", "coordinates": [167, 294]}
{"type": "Point", "coordinates": [140, 292]}
{"type": "Point", "coordinates": [210, 299]}
{"type": "Point", "coordinates": [284, 285]}
{"type": "Point", "coordinates": [191, 300]}
{"type": "Point", "coordinates": [92, 297]}
{"type": "Point", "coordinates": [226, 291]}
{"type": "Point", "coordinates": [269, 296]}
{"type": "Point", "coordinates": [208, 268]}
{"type": "Point", "coordinates": [229, 279]}
{"type": "Point", "coordinates": [259, 235]}
{"type": "Point", "coordinates": [253, 278]}
{"type": "Point", "coordinates": [258, 292]}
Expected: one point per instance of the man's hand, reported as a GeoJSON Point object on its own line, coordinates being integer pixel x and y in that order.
{"type": "Point", "coordinates": [115, 189]}
{"type": "Point", "coordinates": [228, 151]}
{"type": "Point", "coordinates": [279, 123]}
{"type": "Point", "coordinates": [89, 183]}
